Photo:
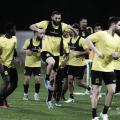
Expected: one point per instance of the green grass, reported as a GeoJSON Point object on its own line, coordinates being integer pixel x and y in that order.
{"type": "Point", "coordinates": [32, 110]}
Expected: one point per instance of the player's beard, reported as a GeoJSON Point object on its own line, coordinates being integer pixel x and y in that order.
{"type": "Point", "coordinates": [39, 38]}
{"type": "Point", "coordinates": [84, 27]}
{"type": "Point", "coordinates": [56, 23]}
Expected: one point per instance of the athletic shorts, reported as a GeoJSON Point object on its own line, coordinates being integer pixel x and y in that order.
{"type": "Point", "coordinates": [45, 55]}
{"type": "Point", "coordinates": [108, 77]}
{"type": "Point", "coordinates": [76, 71]}
{"type": "Point", "coordinates": [32, 70]}
{"type": "Point", "coordinates": [11, 74]}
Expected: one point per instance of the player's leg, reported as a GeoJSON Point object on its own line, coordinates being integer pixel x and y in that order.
{"type": "Point", "coordinates": [36, 73]}
{"type": "Point", "coordinates": [27, 75]}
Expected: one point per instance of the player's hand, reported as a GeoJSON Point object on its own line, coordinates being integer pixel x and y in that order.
{"type": "Point", "coordinates": [100, 54]}
{"type": "Point", "coordinates": [74, 53]}
{"type": "Point", "coordinates": [28, 52]}
{"type": "Point", "coordinates": [115, 55]}
{"type": "Point", "coordinates": [39, 50]}
{"type": "Point", "coordinates": [17, 61]}
{"type": "Point", "coordinates": [42, 31]}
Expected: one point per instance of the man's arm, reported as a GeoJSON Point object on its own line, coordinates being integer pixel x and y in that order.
{"type": "Point", "coordinates": [83, 53]}
{"type": "Point", "coordinates": [116, 55]}
{"type": "Point", "coordinates": [72, 29]}
{"type": "Point", "coordinates": [92, 47]}
{"type": "Point", "coordinates": [25, 49]}
{"type": "Point", "coordinates": [34, 27]}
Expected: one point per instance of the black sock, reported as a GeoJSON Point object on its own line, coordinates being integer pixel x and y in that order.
{"type": "Point", "coordinates": [105, 110]}
{"type": "Point", "coordinates": [37, 87]}
{"type": "Point", "coordinates": [94, 113]}
{"type": "Point", "coordinates": [89, 88]}
{"type": "Point", "coordinates": [50, 93]}
{"type": "Point", "coordinates": [71, 96]}
{"type": "Point", "coordinates": [47, 77]}
{"type": "Point", "coordinates": [26, 88]}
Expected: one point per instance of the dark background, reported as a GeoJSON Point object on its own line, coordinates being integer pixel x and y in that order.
{"type": "Point", "coordinates": [24, 13]}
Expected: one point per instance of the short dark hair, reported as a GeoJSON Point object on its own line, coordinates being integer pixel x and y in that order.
{"type": "Point", "coordinates": [97, 24]}
{"type": "Point", "coordinates": [83, 18]}
{"type": "Point", "coordinates": [8, 26]}
{"type": "Point", "coordinates": [56, 13]}
{"type": "Point", "coordinates": [113, 19]}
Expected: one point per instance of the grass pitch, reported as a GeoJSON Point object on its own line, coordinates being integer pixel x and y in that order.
{"type": "Point", "coordinates": [32, 110]}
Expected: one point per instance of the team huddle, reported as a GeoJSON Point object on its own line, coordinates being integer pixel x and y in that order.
{"type": "Point", "coordinates": [63, 49]}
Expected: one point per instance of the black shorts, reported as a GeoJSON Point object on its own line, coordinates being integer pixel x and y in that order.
{"type": "Point", "coordinates": [11, 73]}
{"type": "Point", "coordinates": [108, 77]}
{"type": "Point", "coordinates": [76, 71]}
{"type": "Point", "coordinates": [117, 73]}
{"type": "Point", "coordinates": [45, 55]}
{"type": "Point", "coordinates": [32, 70]}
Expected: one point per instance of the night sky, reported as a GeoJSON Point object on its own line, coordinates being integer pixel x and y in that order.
{"type": "Point", "coordinates": [24, 13]}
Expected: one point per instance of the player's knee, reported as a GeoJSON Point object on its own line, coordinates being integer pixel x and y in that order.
{"type": "Point", "coordinates": [37, 81]}
{"type": "Point", "coordinates": [70, 78]}
{"type": "Point", "coordinates": [70, 82]}
{"type": "Point", "coordinates": [111, 91]}
{"type": "Point", "coordinates": [96, 93]}
{"type": "Point", "coordinates": [51, 62]}
{"type": "Point", "coordinates": [26, 82]}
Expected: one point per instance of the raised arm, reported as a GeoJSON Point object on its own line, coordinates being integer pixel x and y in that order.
{"type": "Point", "coordinates": [34, 27]}
{"type": "Point", "coordinates": [72, 29]}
